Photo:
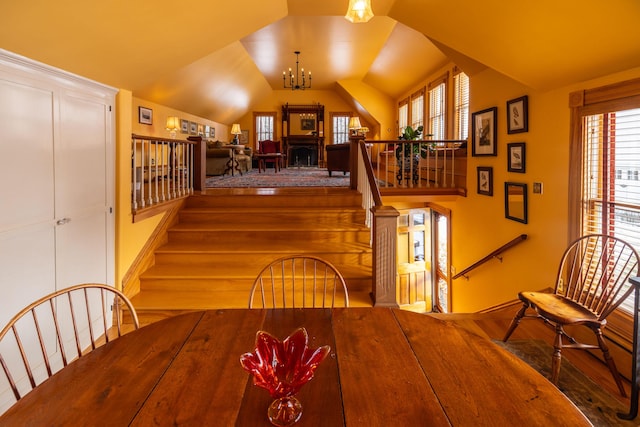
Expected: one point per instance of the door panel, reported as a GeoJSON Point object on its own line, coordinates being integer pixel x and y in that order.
{"type": "Point", "coordinates": [26, 154]}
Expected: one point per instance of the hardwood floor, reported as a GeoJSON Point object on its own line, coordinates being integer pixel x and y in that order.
{"type": "Point", "coordinates": [494, 324]}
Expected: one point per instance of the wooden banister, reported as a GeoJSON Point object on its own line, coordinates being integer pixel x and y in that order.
{"type": "Point", "coordinates": [492, 255]}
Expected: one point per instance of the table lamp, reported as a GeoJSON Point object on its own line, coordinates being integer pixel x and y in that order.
{"type": "Point", "coordinates": [235, 130]}
{"type": "Point", "coordinates": [173, 125]}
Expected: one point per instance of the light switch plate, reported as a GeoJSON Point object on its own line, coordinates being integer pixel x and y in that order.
{"type": "Point", "coordinates": [537, 188]}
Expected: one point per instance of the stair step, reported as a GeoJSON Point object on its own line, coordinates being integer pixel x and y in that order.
{"type": "Point", "coordinates": [223, 240]}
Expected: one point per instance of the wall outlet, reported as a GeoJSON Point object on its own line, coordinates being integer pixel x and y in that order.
{"type": "Point", "coordinates": [537, 188]}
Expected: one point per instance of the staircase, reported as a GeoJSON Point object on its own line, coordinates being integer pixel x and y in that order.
{"type": "Point", "coordinates": [224, 238]}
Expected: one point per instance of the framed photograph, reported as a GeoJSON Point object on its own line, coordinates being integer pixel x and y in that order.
{"type": "Point", "coordinates": [484, 126]}
{"type": "Point", "coordinates": [145, 115]}
{"type": "Point", "coordinates": [193, 128]}
{"type": "Point", "coordinates": [212, 132]}
{"type": "Point", "coordinates": [515, 201]}
{"type": "Point", "coordinates": [516, 156]}
{"type": "Point", "coordinates": [518, 115]}
{"type": "Point", "coordinates": [308, 124]}
{"type": "Point", "coordinates": [184, 126]}
{"type": "Point", "coordinates": [485, 180]}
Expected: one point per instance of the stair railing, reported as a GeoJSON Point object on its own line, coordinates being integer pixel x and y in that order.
{"type": "Point", "coordinates": [161, 170]}
{"type": "Point", "coordinates": [491, 256]}
{"type": "Point", "coordinates": [382, 221]}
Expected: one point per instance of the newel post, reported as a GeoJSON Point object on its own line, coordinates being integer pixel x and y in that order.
{"type": "Point", "coordinates": [384, 290]}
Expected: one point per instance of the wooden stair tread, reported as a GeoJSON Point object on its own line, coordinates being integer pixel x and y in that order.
{"type": "Point", "coordinates": [242, 226]}
{"type": "Point", "coordinates": [276, 247]}
{"type": "Point", "coordinates": [232, 271]}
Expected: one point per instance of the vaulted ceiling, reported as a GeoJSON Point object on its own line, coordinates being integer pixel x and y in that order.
{"type": "Point", "coordinates": [215, 58]}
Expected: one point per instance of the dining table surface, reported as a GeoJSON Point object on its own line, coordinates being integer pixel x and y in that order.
{"type": "Point", "coordinates": [386, 367]}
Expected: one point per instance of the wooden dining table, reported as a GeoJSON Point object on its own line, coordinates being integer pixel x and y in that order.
{"type": "Point", "coordinates": [387, 367]}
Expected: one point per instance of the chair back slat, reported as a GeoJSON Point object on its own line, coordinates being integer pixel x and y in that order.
{"type": "Point", "coordinates": [594, 272]}
{"type": "Point", "coordinates": [53, 331]}
{"type": "Point", "coordinates": [299, 281]}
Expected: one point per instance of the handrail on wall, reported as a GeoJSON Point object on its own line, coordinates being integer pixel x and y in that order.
{"type": "Point", "coordinates": [492, 255]}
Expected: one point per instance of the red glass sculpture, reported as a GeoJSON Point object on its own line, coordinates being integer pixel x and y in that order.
{"type": "Point", "coordinates": [282, 368]}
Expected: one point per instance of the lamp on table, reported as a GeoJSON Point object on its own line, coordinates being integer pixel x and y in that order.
{"type": "Point", "coordinates": [235, 130]}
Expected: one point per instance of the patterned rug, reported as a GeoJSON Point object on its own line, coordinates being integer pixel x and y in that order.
{"type": "Point", "coordinates": [597, 405]}
{"type": "Point", "coordinates": [289, 177]}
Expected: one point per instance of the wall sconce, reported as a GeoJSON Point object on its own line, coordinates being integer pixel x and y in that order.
{"type": "Point", "coordinates": [359, 11]}
{"type": "Point", "coordinates": [173, 125]}
{"type": "Point", "coordinates": [235, 130]}
{"type": "Point", "coordinates": [354, 125]}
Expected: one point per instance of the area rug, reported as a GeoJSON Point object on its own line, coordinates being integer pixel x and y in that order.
{"type": "Point", "coordinates": [597, 405]}
{"type": "Point", "coordinates": [289, 177]}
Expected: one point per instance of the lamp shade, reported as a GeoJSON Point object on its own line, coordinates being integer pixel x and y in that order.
{"type": "Point", "coordinates": [235, 129]}
{"type": "Point", "coordinates": [359, 11]}
{"type": "Point", "coordinates": [354, 123]}
{"type": "Point", "coordinates": [173, 123]}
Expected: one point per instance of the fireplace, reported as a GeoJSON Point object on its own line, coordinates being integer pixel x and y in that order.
{"type": "Point", "coordinates": [303, 155]}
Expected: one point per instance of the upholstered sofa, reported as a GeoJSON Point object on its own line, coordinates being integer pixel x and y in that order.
{"type": "Point", "coordinates": [338, 158]}
{"type": "Point", "coordinates": [218, 158]}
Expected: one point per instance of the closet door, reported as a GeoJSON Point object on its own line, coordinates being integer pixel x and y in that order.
{"type": "Point", "coordinates": [84, 182]}
{"type": "Point", "coordinates": [27, 215]}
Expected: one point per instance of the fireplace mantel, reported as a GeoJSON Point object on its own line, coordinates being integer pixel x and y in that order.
{"type": "Point", "coordinates": [312, 142]}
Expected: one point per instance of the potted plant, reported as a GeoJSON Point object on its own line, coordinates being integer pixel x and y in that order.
{"type": "Point", "coordinates": [410, 153]}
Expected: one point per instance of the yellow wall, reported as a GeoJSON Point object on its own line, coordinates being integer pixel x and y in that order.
{"type": "Point", "coordinates": [478, 223]}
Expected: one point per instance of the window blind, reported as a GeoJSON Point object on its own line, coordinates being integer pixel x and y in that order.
{"type": "Point", "coordinates": [461, 105]}
{"type": "Point", "coordinates": [417, 109]}
{"type": "Point", "coordinates": [340, 128]}
{"type": "Point", "coordinates": [265, 126]}
{"type": "Point", "coordinates": [403, 115]}
{"type": "Point", "coordinates": [610, 184]}
{"type": "Point", "coordinates": [437, 107]}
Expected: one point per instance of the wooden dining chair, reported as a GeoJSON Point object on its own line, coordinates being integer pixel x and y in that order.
{"type": "Point", "coordinates": [300, 281]}
{"type": "Point", "coordinates": [592, 281]}
{"type": "Point", "coordinates": [59, 328]}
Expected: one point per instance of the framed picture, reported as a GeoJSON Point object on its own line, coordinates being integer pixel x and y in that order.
{"type": "Point", "coordinates": [193, 128]}
{"type": "Point", "coordinates": [484, 126]}
{"type": "Point", "coordinates": [515, 201]}
{"type": "Point", "coordinates": [308, 124]}
{"type": "Point", "coordinates": [244, 137]}
{"type": "Point", "coordinates": [200, 130]}
{"type": "Point", "coordinates": [145, 115]}
{"type": "Point", "coordinates": [516, 156]}
{"type": "Point", "coordinates": [485, 180]}
{"type": "Point", "coordinates": [212, 132]}
{"type": "Point", "coordinates": [184, 126]}
{"type": "Point", "coordinates": [518, 115]}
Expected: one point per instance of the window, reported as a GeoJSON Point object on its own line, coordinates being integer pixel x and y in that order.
{"type": "Point", "coordinates": [403, 115]}
{"type": "Point", "coordinates": [608, 146]}
{"type": "Point", "coordinates": [437, 108]}
{"type": "Point", "coordinates": [461, 105]}
{"type": "Point", "coordinates": [265, 126]}
{"type": "Point", "coordinates": [340, 127]}
{"type": "Point", "coordinates": [417, 109]}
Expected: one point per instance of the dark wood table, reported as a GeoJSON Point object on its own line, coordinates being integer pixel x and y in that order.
{"type": "Point", "coordinates": [387, 367]}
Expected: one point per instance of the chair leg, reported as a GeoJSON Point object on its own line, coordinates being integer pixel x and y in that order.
{"type": "Point", "coordinates": [610, 362]}
{"type": "Point", "coordinates": [515, 322]}
{"type": "Point", "coordinates": [556, 359]}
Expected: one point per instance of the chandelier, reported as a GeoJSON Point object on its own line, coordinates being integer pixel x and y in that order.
{"type": "Point", "coordinates": [296, 82]}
